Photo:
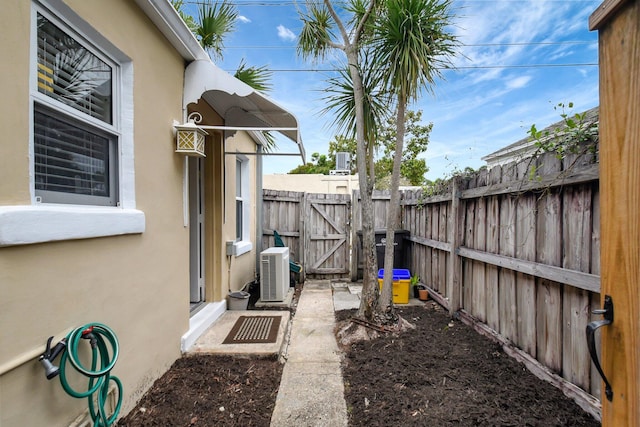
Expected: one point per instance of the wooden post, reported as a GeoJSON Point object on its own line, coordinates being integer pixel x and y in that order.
{"type": "Point", "coordinates": [618, 25]}
{"type": "Point", "coordinates": [302, 225]}
{"type": "Point", "coordinates": [455, 262]}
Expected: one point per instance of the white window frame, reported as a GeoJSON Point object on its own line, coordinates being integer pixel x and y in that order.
{"type": "Point", "coordinates": [44, 222]}
{"type": "Point", "coordinates": [243, 194]}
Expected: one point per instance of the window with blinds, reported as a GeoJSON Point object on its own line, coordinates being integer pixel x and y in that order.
{"type": "Point", "coordinates": [239, 202]}
{"type": "Point", "coordinates": [75, 158]}
{"type": "Point", "coordinates": [73, 163]}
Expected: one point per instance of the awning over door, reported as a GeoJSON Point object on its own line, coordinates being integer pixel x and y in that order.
{"type": "Point", "coordinates": [237, 103]}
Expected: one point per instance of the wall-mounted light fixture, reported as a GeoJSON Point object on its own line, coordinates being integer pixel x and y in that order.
{"type": "Point", "coordinates": [189, 137]}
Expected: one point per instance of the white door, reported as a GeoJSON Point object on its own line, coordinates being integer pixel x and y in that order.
{"type": "Point", "coordinates": [196, 229]}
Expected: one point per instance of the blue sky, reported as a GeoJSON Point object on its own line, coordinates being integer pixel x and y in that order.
{"type": "Point", "coordinates": [498, 91]}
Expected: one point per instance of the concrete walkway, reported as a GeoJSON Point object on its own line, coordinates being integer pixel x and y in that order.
{"type": "Point", "coordinates": [311, 389]}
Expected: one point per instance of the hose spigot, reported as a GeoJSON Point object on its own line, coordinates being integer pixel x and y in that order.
{"type": "Point", "coordinates": [88, 334]}
{"type": "Point", "coordinates": [49, 355]}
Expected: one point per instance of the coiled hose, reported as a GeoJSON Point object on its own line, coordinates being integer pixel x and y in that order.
{"type": "Point", "coordinates": [100, 372]}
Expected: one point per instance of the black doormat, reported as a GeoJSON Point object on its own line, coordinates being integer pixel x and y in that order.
{"type": "Point", "coordinates": [254, 330]}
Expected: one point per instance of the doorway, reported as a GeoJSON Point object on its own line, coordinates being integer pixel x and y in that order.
{"type": "Point", "coordinates": [196, 231]}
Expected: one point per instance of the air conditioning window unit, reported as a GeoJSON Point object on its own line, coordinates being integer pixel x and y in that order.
{"type": "Point", "coordinates": [274, 274]}
{"type": "Point", "coordinates": [343, 161]}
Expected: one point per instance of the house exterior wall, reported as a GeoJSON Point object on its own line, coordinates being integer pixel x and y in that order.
{"type": "Point", "coordinates": [312, 183]}
{"type": "Point", "coordinates": [137, 284]}
{"type": "Point", "coordinates": [243, 267]}
{"type": "Point", "coordinates": [14, 115]}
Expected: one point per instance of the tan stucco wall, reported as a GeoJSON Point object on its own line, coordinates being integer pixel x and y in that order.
{"type": "Point", "coordinates": [312, 183]}
{"type": "Point", "coordinates": [14, 107]}
{"type": "Point", "coordinates": [136, 284]}
{"type": "Point", "coordinates": [243, 267]}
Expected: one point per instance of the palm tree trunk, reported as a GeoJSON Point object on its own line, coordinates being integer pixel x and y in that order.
{"type": "Point", "coordinates": [393, 214]}
{"type": "Point", "coordinates": [370, 294]}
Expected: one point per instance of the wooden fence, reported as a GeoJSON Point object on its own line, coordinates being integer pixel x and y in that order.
{"type": "Point", "coordinates": [515, 250]}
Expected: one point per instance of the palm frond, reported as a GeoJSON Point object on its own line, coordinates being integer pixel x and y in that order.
{"type": "Point", "coordinates": [258, 78]}
{"type": "Point", "coordinates": [340, 101]}
{"type": "Point", "coordinates": [178, 5]}
{"type": "Point", "coordinates": [413, 44]}
{"type": "Point", "coordinates": [215, 21]}
{"type": "Point", "coordinates": [315, 37]}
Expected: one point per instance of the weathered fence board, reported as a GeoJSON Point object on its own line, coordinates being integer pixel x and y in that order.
{"type": "Point", "coordinates": [577, 233]}
{"type": "Point", "coordinates": [282, 213]}
{"type": "Point", "coordinates": [478, 298]}
{"type": "Point", "coordinates": [442, 255]}
{"type": "Point", "coordinates": [493, 242]}
{"type": "Point", "coordinates": [429, 249]}
{"type": "Point", "coordinates": [507, 247]}
{"type": "Point", "coordinates": [467, 264]}
{"type": "Point", "coordinates": [549, 296]}
{"type": "Point", "coordinates": [526, 250]}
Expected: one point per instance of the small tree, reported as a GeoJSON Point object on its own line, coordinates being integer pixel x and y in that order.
{"type": "Point", "coordinates": [411, 42]}
{"type": "Point", "coordinates": [324, 31]}
{"type": "Point", "coordinates": [412, 169]}
{"type": "Point", "coordinates": [320, 164]}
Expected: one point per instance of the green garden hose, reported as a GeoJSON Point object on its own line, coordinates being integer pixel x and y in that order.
{"type": "Point", "coordinates": [100, 372]}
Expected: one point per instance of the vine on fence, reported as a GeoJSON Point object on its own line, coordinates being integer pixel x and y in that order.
{"type": "Point", "coordinates": [577, 134]}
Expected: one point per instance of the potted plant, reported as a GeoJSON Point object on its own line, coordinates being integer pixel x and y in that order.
{"type": "Point", "coordinates": [419, 289]}
{"type": "Point", "coordinates": [414, 281]}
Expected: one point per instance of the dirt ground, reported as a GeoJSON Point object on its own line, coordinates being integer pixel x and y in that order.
{"type": "Point", "coordinates": [444, 373]}
{"type": "Point", "coordinates": [440, 374]}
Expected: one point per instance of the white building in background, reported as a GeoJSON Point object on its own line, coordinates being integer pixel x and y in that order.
{"type": "Point", "coordinates": [311, 183]}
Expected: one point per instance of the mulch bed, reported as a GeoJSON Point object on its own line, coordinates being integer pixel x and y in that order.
{"type": "Point", "coordinates": [444, 373]}
{"type": "Point", "coordinates": [441, 374]}
{"type": "Point", "coordinates": [210, 391]}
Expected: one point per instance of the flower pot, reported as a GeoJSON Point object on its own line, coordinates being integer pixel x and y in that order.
{"type": "Point", "coordinates": [423, 294]}
{"type": "Point", "coordinates": [238, 300]}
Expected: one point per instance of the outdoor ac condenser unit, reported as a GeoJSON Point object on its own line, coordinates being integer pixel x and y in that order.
{"type": "Point", "coordinates": [343, 161]}
{"type": "Point", "coordinates": [274, 274]}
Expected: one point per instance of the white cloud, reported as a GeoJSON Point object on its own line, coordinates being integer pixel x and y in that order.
{"type": "Point", "coordinates": [285, 34]}
{"type": "Point", "coordinates": [243, 19]}
{"type": "Point", "coordinates": [518, 82]}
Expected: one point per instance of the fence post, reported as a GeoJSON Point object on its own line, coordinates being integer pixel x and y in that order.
{"type": "Point", "coordinates": [303, 243]}
{"type": "Point", "coordinates": [455, 262]}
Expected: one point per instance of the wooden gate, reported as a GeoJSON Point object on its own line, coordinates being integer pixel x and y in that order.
{"type": "Point", "coordinates": [315, 227]}
{"type": "Point", "coordinates": [618, 27]}
{"type": "Point", "coordinates": [327, 219]}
